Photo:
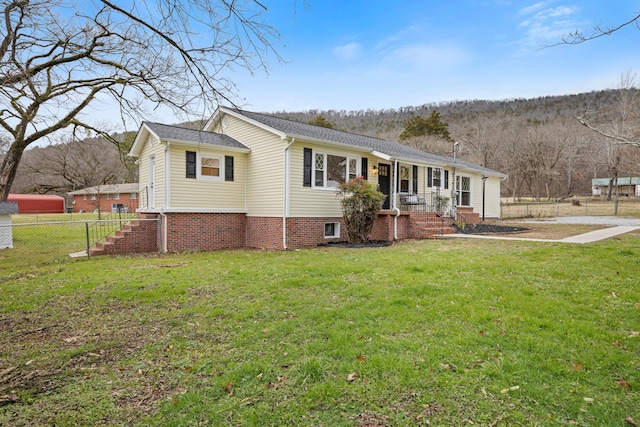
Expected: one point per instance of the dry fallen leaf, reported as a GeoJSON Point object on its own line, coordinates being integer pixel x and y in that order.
{"type": "Point", "coordinates": [352, 376]}
{"type": "Point", "coordinates": [71, 339]}
{"type": "Point", "coordinates": [630, 421]}
{"type": "Point", "coordinates": [577, 366]}
{"type": "Point", "coordinates": [361, 358]}
{"type": "Point", "coordinates": [623, 383]}
{"type": "Point", "coordinates": [9, 398]}
{"type": "Point", "coordinates": [616, 343]}
{"type": "Point", "coordinates": [634, 334]}
{"type": "Point", "coordinates": [512, 388]}
{"type": "Point", "coordinates": [588, 399]}
{"type": "Point", "coordinates": [229, 388]}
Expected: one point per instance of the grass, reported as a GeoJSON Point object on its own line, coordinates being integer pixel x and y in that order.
{"type": "Point", "coordinates": [596, 206]}
{"type": "Point", "coordinates": [420, 333]}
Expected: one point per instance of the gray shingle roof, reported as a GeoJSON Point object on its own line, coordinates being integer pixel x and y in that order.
{"type": "Point", "coordinates": [393, 149]}
{"type": "Point", "coordinates": [9, 208]}
{"type": "Point", "coordinates": [176, 133]}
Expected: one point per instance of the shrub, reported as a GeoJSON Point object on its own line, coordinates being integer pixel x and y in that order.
{"type": "Point", "coordinates": [361, 203]}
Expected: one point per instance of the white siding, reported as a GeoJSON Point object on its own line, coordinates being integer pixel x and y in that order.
{"type": "Point", "coordinates": [196, 193]}
{"type": "Point", "coordinates": [265, 167]}
{"type": "Point", "coordinates": [155, 149]}
{"type": "Point", "coordinates": [318, 202]}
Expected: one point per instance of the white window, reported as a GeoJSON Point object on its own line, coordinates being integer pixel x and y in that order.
{"type": "Point", "coordinates": [404, 179]}
{"type": "Point", "coordinates": [84, 197]}
{"type": "Point", "coordinates": [94, 196]}
{"type": "Point", "coordinates": [331, 230]}
{"type": "Point", "coordinates": [210, 167]}
{"type": "Point", "coordinates": [133, 196]}
{"type": "Point", "coordinates": [331, 170]}
{"type": "Point", "coordinates": [437, 178]}
{"type": "Point", "coordinates": [463, 184]}
{"type": "Point", "coordinates": [106, 196]}
{"type": "Point", "coordinates": [116, 196]}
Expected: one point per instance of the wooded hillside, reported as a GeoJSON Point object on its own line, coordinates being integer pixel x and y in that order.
{"type": "Point", "coordinates": [538, 142]}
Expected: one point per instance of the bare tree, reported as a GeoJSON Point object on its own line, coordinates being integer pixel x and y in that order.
{"type": "Point", "coordinates": [599, 30]}
{"type": "Point", "coordinates": [60, 58]}
{"type": "Point", "coordinates": [622, 123]}
{"type": "Point", "coordinates": [73, 165]}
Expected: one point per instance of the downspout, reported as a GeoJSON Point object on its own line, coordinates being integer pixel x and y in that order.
{"type": "Point", "coordinates": [167, 198]}
{"type": "Point", "coordinates": [163, 249]}
{"type": "Point", "coordinates": [167, 176]}
{"type": "Point", "coordinates": [287, 182]}
{"type": "Point", "coordinates": [394, 206]}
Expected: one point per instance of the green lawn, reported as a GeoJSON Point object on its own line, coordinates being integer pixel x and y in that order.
{"type": "Point", "coordinates": [462, 332]}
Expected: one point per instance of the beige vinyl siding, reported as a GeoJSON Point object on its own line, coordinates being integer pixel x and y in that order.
{"type": "Point", "coordinates": [492, 194]}
{"type": "Point", "coordinates": [265, 167]}
{"type": "Point", "coordinates": [317, 202]}
{"type": "Point", "coordinates": [152, 148]}
{"type": "Point", "coordinates": [198, 193]}
{"type": "Point", "coordinates": [492, 198]}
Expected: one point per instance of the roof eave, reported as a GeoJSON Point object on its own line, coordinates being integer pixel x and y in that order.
{"type": "Point", "coordinates": [207, 145]}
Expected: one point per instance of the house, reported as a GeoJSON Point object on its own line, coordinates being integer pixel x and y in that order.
{"type": "Point", "coordinates": [37, 203]}
{"type": "Point", "coordinates": [254, 180]}
{"type": "Point", "coordinates": [106, 198]}
{"type": "Point", "coordinates": [629, 186]}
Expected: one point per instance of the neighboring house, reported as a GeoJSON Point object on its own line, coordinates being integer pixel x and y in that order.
{"type": "Point", "coordinates": [254, 180]}
{"type": "Point", "coordinates": [37, 203]}
{"type": "Point", "coordinates": [629, 186]}
{"type": "Point", "coordinates": [106, 198]}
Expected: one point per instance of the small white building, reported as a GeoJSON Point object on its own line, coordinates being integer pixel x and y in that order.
{"type": "Point", "coordinates": [6, 234]}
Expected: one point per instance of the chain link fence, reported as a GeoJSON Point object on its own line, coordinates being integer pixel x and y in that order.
{"type": "Point", "coordinates": [41, 239]}
{"type": "Point", "coordinates": [575, 206]}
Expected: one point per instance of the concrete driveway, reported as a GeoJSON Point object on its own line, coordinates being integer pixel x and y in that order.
{"type": "Point", "coordinates": [617, 226]}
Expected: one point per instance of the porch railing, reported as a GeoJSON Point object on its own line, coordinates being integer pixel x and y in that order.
{"type": "Point", "coordinates": [434, 201]}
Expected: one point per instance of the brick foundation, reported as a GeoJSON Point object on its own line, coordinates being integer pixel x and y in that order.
{"type": "Point", "coordinates": [205, 231]}
{"type": "Point", "coordinates": [216, 231]}
{"type": "Point", "coordinates": [264, 233]}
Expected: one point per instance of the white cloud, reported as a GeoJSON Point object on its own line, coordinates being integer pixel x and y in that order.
{"type": "Point", "coordinates": [348, 51]}
{"type": "Point", "coordinates": [427, 56]}
{"type": "Point", "coordinates": [543, 25]}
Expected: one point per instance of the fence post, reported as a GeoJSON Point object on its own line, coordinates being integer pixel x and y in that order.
{"type": "Point", "coordinates": [86, 227]}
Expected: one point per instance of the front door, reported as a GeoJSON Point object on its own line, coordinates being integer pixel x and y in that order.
{"type": "Point", "coordinates": [384, 181]}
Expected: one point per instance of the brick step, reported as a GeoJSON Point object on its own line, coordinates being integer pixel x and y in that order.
{"type": "Point", "coordinates": [134, 237]}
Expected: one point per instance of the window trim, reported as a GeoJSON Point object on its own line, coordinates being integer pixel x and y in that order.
{"type": "Point", "coordinates": [460, 191]}
{"type": "Point", "coordinates": [219, 157]}
{"type": "Point", "coordinates": [336, 230]}
{"type": "Point", "coordinates": [325, 154]}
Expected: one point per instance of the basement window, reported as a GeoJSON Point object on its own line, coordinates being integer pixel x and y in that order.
{"type": "Point", "coordinates": [331, 230]}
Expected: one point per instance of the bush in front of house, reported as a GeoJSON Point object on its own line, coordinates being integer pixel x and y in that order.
{"type": "Point", "coordinates": [361, 203]}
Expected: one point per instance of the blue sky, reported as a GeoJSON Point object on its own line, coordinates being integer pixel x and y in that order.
{"type": "Point", "coordinates": [355, 54]}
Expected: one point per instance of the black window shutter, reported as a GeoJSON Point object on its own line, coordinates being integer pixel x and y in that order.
{"type": "Point", "coordinates": [191, 164]}
{"type": "Point", "coordinates": [415, 179]}
{"type": "Point", "coordinates": [307, 167]}
{"type": "Point", "coordinates": [446, 179]}
{"type": "Point", "coordinates": [429, 177]}
{"type": "Point", "coordinates": [365, 168]}
{"type": "Point", "coordinates": [228, 168]}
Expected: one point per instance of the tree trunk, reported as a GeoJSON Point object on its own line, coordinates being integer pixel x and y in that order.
{"type": "Point", "coordinates": [8, 171]}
